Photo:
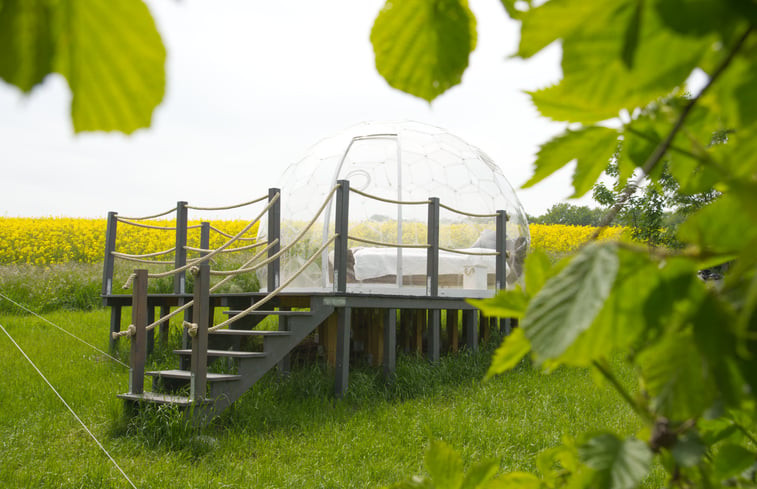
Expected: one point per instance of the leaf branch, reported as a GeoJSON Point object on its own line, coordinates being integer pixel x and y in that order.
{"type": "Point", "coordinates": [638, 409]}
{"type": "Point", "coordinates": [656, 156]}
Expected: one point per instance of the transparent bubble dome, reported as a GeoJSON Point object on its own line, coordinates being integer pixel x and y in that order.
{"type": "Point", "coordinates": [402, 161]}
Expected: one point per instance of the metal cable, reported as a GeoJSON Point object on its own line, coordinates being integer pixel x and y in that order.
{"type": "Point", "coordinates": [68, 407]}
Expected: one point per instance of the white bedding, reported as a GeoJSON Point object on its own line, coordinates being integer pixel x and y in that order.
{"type": "Point", "coordinates": [379, 262]}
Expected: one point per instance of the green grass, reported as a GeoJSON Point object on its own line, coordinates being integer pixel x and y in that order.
{"type": "Point", "coordinates": [286, 432]}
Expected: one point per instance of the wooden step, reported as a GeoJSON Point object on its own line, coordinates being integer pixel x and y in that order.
{"type": "Point", "coordinates": [186, 375]}
{"type": "Point", "coordinates": [227, 353]}
{"type": "Point", "coordinates": [249, 332]}
{"type": "Point", "coordinates": [272, 313]}
{"type": "Point", "coordinates": [159, 398]}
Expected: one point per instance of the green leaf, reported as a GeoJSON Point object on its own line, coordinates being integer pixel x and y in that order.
{"type": "Point", "coordinates": [731, 460]}
{"type": "Point", "coordinates": [677, 377]}
{"type": "Point", "coordinates": [556, 19]}
{"type": "Point", "coordinates": [114, 60]}
{"type": "Point", "coordinates": [480, 474]}
{"type": "Point", "coordinates": [444, 465]}
{"type": "Point", "coordinates": [591, 147]}
{"type": "Point", "coordinates": [696, 17]}
{"type": "Point", "coordinates": [513, 303]}
{"type": "Point", "coordinates": [689, 449]}
{"type": "Point", "coordinates": [620, 464]}
{"type": "Point", "coordinates": [506, 304]}
{"type": "Point", "coordinates": [509, 354]}
{"type": "Point", "coordinates": [515, 480]}
{"type": "Point", "coordinates": [422, 46]}
{"type": "Point", "coordinates": [631, 41]}
{"type": "Point", "coordinates": [721, 227]}
{"type": "Point", "coordinates": [569, 301]}
{"type": "Point", "coordinates": [26, 43]}
{"type": "Point", "coordinates": [619, 323]}
{"type": "Point", "coordinates": [597, 84]}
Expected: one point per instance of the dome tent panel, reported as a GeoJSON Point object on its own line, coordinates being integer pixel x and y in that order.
{"type": "Point", "coordinates": [404, 161]}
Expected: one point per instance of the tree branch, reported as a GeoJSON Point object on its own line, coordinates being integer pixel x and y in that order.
{"type": "Point", "coordinates": [665, 144]}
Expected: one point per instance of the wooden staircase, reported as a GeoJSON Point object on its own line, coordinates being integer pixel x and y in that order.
{"type": "Point", "coordinates": [206, 394]}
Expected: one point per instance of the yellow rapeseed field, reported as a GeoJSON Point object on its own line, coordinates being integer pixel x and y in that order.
{"type": "Point", "coordinates": [53, 240]}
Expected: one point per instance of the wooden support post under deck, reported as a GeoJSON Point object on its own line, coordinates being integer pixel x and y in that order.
{"type": "Point", "coordinates": [419, 327]}
{"type": "Point", "coordinates": [434, 334]}
{"type": "Point", "coordinates": [151, 333]}
{"type": "Point", "coordinates": [138, 352]}
{"type": "Point", "coordinates": [470, 328]}
{"type": "Point", "coordinates": [285, 363]}
{"type": "Point", "coordinates": [115, 326]}
{"type": "Point", "coordinates": [484, 327]}
{"type": "Point", "coordinates": [452, 330]}
{"type": "Point", "coordinates": [163, 335]}
{"type": "Point", "coordinates": [327, 339]}
{"type": "Point", "coordinates": [344, 323]}
{"type": "Point", "coordinates": [199, 365]}
{"type": "Point", "coordinates": [390, 341]}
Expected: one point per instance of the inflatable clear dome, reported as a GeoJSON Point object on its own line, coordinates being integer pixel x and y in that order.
{"type": "Point", "coordinates": [408, 162]}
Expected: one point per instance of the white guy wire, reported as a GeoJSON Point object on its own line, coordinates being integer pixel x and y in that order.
{"type": "Point", "coordinates": [65, 331]}
{"type": "Point", "coordinates": [69, 407]}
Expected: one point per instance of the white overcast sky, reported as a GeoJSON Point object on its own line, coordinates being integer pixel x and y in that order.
{"type": "Point", "coordinates": [250, 86]}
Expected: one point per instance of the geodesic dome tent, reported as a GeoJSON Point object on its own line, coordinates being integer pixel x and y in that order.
{"type": "Point", "coordinates": [408, 162]}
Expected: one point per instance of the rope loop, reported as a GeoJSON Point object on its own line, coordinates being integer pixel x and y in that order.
{"type": "Point", "coordinates": [191, 328]}
{"type": "Point", "coordinates": [129, 281]}
{"type": "Point", "coordinates": [194, 270]}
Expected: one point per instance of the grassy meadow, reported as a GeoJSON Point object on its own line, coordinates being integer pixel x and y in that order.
{"type": "Point", "coordinates": [287, 431]}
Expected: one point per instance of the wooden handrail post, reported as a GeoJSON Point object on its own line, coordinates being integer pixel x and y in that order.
{"type": "Point", "coordinates": [180, 279]}
{"type": "Point", "coordinates": [341, 227]}
{"type": "Point", "coordinates": [500, 273]}
{"type": "Point", "coordinates": [274, 232]}
{"type": "Point", "coordinates": [204, 237]}
{"type": "Point", "coordinates": [501, 246]}
{"type": "Point", "coordinates": [201, 317]}
{"type": "Point", "coordinates": [432, 279]}
{"type": "Point", "coordinates": [138, 352]}
{"type": "Point", "coordinates": [109, 261]}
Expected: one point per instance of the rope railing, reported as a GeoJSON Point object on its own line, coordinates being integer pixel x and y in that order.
{"type": "Point", "coordinates": [144, 218]}
{"type": "Point", "coordinates": [475, 253]}
{"type": "Point", "coordinates": [390, 201]}
{"type": "Point", "coordinates": [233, 206]}
{"type": "Point", "coordinates": [212, 253]}
{"type": "Point", "coordinates": [384, 243]}
{"type": "Point", "coordinates": [222, 233]}
{"type": "Point", "coordinates": [143, 260]}
{"type": "Point", "coordinates": [294, 241]}
{"type": "Point", "coordinates": [227, 250]}
{"type": "Point", "coordinates": [192, 327]}
{"type": "Point", "coordinates": [464, 213]}
{"type": "Point", "coordinates": [145, 255]}
{"type": "Point", "coordinates": [130, 330]}
{"type": "Point", "coordinates": [146, 226]}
